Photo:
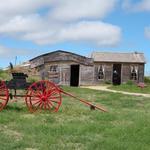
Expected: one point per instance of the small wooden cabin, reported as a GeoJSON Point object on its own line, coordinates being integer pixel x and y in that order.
{"type": "Point", "coordinates": [118, 68]}
{"type": "Point", "coordinates": [66, 68]}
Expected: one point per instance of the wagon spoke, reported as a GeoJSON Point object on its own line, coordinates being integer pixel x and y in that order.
{"type": "Point", "coordinates": [35, 98]}
{"type": "Point", "coordinates": [41, 106]}
{"type": "Point", "coordinates": [4, 99]}
{"type": "Point", "coordinates": [37, 107]}
{"type": "Point", "coordinates": [41, 86]}
{"type": "Point", "coordinates": [49, 86]}
{"type": "Point", "coordinates": [4, 95]}
{"type": "Point", "coordinates": [49, 108]}
{"type": "Point", "coordinates": [3, 89]}
{"type": "Point", "coordinates": [52, 105]}
{"type": "Point", "coordinates": [54, 100]}
{"type": "Point", "coordinates": [44, 106]}
{"type": "Point", "coordinates": [36, 102]}
{"type": "Point", "coordinates": [35, 93]}
{"type": "Point", "coordinates": [36, 87]}
{"type": "Point", "coordinates": [52, 92]}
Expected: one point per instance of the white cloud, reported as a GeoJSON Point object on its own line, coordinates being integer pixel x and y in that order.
{"type": "Point", "coordinates": [147, 32]}
{"type": "Point", "coordinates": [17, 7]}
{"type": "Point", "coordinates": [143, 5]}
{"type": "Point", "coordinates": [99, 33]}
{"type": "Point", "coordinates": [63, 21]}
{"type": "Point", "coordinates": [9, 9]}
{"type": "Point", "coordinates": [22, 24]}
{"type": "Point", "coordinates": [70, 10]}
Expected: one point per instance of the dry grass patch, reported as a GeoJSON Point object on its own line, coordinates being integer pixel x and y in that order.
{"type": "Point", "coordinates": [13, 134]}
{"type": "Point", "coordinates": [28, 116]}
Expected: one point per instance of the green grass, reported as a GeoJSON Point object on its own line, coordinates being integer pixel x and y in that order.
{"type": "Point", "coordinates": [131, 88]}
{"type": "Point", "coordinates": [32, 78]}
{"type": "Point", "coordinates": [75, 127]}
{"type": "Point", "coordinates": [4, 75]}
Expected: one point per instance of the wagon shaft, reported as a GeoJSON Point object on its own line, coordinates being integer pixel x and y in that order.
{"type": "Point", "coordinates": [92, 106]}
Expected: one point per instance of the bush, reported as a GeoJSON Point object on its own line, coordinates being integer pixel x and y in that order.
{"type": "Point", "coordinates": [146, 79]}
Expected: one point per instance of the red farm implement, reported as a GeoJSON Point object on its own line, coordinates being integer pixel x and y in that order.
{"type": "Point", "coordinates": [41, 95]}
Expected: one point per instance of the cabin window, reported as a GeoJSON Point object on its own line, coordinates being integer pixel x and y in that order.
{"type": "Point", "coordinates": [101, 72]}
{"type": "Point", "coordinates": [53, 68]}
{"type": "Point", "coordinates": [134, 72]}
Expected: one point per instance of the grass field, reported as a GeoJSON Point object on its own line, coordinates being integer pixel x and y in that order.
{"type": "Point", "coordinates": [75, 127]}
{"type": "Point", "coordinates": [132, 88]}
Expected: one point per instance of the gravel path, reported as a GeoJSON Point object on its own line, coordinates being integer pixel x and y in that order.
{"type": "Point", "coordinates": [105, 88]}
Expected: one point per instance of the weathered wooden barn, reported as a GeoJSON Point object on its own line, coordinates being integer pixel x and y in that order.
{"type": "Point", "coordinates": [66, 68]}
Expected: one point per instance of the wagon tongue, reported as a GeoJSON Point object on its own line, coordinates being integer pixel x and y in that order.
{"type": "Point", "coordinates": [92, 106]}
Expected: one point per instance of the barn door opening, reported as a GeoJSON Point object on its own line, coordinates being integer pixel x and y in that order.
{"type": "Point", "coordinates": [116, 74]}
{"type": "Point", "coordinates": [74, 77]}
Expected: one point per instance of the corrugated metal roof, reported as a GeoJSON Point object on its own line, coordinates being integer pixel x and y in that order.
{"type": "Point", "coordinates": [118, 57]}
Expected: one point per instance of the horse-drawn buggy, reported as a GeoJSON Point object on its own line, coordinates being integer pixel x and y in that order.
{"type": "Point", "coordinates": [40, 95]}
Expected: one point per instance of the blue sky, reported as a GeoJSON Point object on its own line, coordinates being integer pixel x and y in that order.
{"type": "Point", "coordinates": [29, 28]}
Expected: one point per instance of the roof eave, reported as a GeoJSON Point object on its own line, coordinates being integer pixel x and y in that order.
{"type": "Point", "coordinates": [96, 61]}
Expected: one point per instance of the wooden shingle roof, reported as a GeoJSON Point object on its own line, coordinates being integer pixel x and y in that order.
{"type": "Point", "coordinates": [118, 57]}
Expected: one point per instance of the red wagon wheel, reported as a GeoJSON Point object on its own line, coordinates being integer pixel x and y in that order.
{"type": "Point", "coordinates": [43, 95]}
{"type": "Point", "coordinates": [4, 95]}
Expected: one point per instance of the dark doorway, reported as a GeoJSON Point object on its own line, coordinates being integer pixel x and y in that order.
{"type": "Point", "coordinates": [116, 74]}
{"type": "Point", "coordinates": [74, 78]}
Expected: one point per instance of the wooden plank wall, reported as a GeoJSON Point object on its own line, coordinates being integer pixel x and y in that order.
{"type": "Point", "coordinates": [86, 75]}
{"type": "Point", "coordinates": [62, 76]}
{"type": "Point", "coordinates": [89, 74]}
{"type": "Point", "coordinates": [96, 81]}
{"type": "Point", "coordinates": [141, 73]}
{"type": "Point", "coordinates": [65, 74]}
{"type": "Point", "coordinates": [126, 73]}
{"type": "Point", "coordinates": [108, 72]}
